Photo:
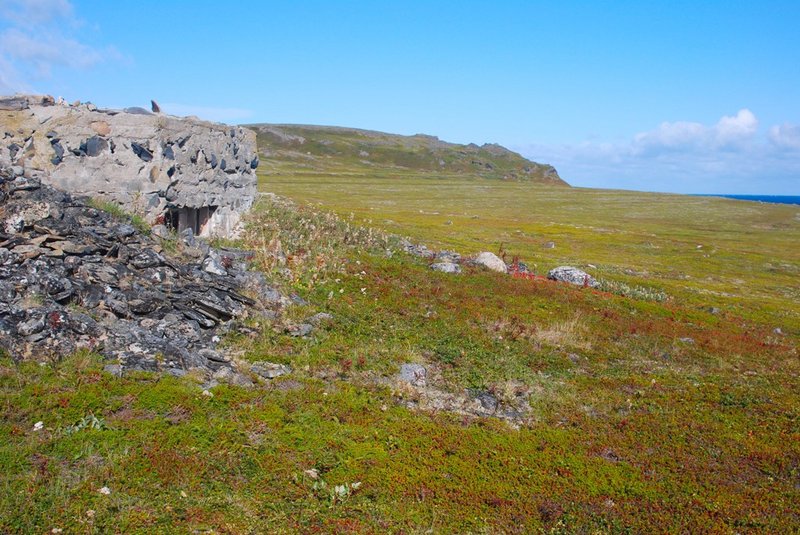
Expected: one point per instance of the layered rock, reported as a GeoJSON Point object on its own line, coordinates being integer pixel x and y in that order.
{"type": "Point", "coordinates": [184, 172]}
{"type": "Point", "coordinates": [73, 276]}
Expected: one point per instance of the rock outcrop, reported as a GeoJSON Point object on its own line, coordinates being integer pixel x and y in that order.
{"type": "Point", "coordinates": [73, 276]}
{"type": "Point", "coordinates": [572, 275]}
{"type": "Point", "coordinates": [181, 171]}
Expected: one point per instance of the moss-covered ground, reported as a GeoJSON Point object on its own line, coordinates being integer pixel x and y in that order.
{"type": "Point", "coordinates": [646, 416]}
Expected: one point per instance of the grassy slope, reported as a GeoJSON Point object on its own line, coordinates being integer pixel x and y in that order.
{"type": "Point", "coordinates": [289, 149]}
{"type": "Point", "coordinates": [739, 256]}
{"type": "Point", "coordinates": [633, 428]}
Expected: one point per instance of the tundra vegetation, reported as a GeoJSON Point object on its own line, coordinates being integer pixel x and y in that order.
{"type": "Point", "coordinates": [664, 400]}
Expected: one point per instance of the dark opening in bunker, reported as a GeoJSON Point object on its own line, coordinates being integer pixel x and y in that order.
{"type": "Point", "coordinates": [195, 218]}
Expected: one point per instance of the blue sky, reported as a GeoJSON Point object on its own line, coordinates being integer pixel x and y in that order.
{"type": "Point", "coordinates": [673, 96]}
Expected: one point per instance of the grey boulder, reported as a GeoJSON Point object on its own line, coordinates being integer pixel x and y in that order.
{"type": "Point", "coordinates": [572, 275]}
{"type": "Point", "coordinates": [446, 267]}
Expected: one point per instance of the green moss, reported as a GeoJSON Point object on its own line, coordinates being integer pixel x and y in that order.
{"type": "Point", "coordinates": [118, 212]}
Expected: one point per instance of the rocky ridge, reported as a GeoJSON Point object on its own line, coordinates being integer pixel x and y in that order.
{"type": "Point", "coordinates": [73, 276]}
{"type": "Point", "coordinates": [329, 149]}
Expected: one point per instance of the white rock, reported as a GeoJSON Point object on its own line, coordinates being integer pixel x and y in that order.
{"type": "Point", "coordinates": [491, 261]}
{"type": "Point", "coordinates": [213, 264]}
{"type": "Point", "coordinates": [38, 426]}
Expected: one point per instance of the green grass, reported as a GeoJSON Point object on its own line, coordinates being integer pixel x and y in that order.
{"type": "Point", "coordinates": [120, 213]}
{"type": "Point", "coordinates": [738, 256]}
{"type": "Point", "coordinates": [334, 150]}
{"type": "Point", "coordinates": [703, 439]}
{"type": "Point", "coordinates": [645, 414]}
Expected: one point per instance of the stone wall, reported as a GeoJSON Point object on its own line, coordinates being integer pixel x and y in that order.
{"type": "Point", "coordinates": [182, 171]}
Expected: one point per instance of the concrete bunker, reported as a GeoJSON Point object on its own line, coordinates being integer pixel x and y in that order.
{"type": "Point", "coordinates": [198, 219]}
{"type": "Point", "coordinates": [183, 172]}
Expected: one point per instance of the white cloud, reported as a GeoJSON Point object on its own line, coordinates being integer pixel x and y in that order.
{"type": "Point", "coordinates": [9, 78]}
{"type": "Point", "coordinates": [41, 35]}
{"type": "Point", "coordinates": [729, 132]}
{"type": "Point", "coordinates": [209, 113]}
{"type": "Point", "coordinates": [785, 136]}
{"type": "Point", "coordinates": [737, 129]}
{"type": "Point", "coordinates": [27, 13]}
{"type": "Point", "coordinates": [690, 157]}
{"type": "Point", "coordinates": [45, 51]}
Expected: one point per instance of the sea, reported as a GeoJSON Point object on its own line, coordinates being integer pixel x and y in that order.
{"type": "Point", "coordinates": [778, 199]}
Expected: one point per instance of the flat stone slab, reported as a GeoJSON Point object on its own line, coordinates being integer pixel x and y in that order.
{"type": "Point", "coordinates": [269, 370]}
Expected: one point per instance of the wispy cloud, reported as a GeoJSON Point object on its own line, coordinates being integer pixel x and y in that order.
{"type": "Point", "coordinates": [28, 13]}
{"type": "Point", "coordinates": [209, 113]}
{"type": "Point", "coordinates": [729, 156]}
{"type": "Point", "coordinates": [785, 136]}
{"type": "Point", "coordinates": [40, 35]}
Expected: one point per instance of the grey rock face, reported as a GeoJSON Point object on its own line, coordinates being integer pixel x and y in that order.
{"type": "Point", "coordinates": [572, 275]}
{"type": "Point", "coordinates": [24, 102]}
{"type": "Point", "coordinates": [95, 146]}
{"type": "Point", "coordinates": [154, 165]}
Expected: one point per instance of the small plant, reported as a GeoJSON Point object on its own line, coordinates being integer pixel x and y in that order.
{"type": "Point", "coordinates": [55, 320]}
{"type": "Point", "coordinates": [90, 421]}
{"type": "Point", "coordinates": [335, 494]}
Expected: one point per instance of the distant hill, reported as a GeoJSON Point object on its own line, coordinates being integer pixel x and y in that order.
{"type": "Point", "coordinates": [329, 149]}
